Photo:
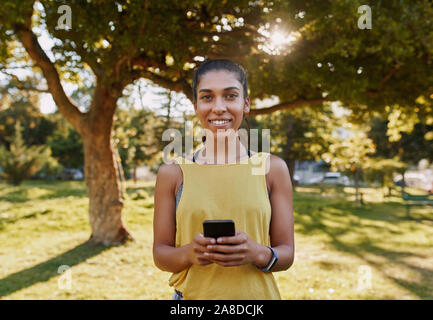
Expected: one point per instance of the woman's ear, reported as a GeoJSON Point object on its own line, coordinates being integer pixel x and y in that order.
{"type": "Point", "coordinates": [247, 106]}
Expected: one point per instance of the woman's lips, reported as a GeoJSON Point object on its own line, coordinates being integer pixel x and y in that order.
{"type": "Point", "coordinates": [219, 125]}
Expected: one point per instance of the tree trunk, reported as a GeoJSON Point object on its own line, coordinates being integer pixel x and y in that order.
{"type": "Point", "coordinates": [356, 186]}
{"type": "Point", "coordinates": [134, 174]}
{"type": "Point", "coordinates": [121, 172]}
{"type": "Point", "coordinates": [102, 175]}
{"type": "Point", "coordinates": [95, 126]}
{"type": "Point", "coordinates": [291, 166]}
{"type": "Point", "coordinates": [288, 150]}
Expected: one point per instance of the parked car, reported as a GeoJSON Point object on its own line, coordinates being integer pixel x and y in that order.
{"type": "Point", "coordinates": [71, 174]}
{"type": "Point", "coordinates": [335, 178]}
{"type": "Point", "coordinates": [314, 180]}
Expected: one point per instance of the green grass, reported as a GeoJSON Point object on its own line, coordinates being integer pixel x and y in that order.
{"type": "Point", "coordinates": [44, 225]}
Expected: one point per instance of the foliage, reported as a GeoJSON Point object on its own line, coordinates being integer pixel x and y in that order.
{"type": "Point", "coordinates": [410, 148]}
{"type": "Point", "coordinates": [299, 134]}
{"type": "Point", "coordinates": [37, 128]}
{"type": "Point", "coordinates": [367, 70]}
{"type": "Point", "coordinates": [383, 170]}
{"type": "Point", "coordinates": [390, 64]}
{"type": "Point", "coordinates": [21, 162]}
{"type": "Point", "coordinates": [137, 136]}
{"type": "Point", "coordinates": [65, 143]}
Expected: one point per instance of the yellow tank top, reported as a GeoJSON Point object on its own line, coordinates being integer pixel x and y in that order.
{"type": "Point", "coordinates": [224, 191]}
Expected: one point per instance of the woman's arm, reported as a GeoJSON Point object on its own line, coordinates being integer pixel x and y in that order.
{"type": "Point", "coordinates": [166, 255]}
{"type": "Point", "coordinates": [281, 229]}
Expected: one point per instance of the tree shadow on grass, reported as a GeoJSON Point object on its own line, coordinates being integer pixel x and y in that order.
{"type": "Point", "coordinates": [48, 269]}
{"type": "Point", "coordinates": [22, 195]}
{"type": "Point", "coordinates": [422, 284]}
{"type": "Point", "coordinates": [63, 193]}
{"type": "Point", "coordinates": [16, 196]}
{"type": "Point", "coordinates": [343, 220]}
{"type": "Point", "coordinates": [32, 215]}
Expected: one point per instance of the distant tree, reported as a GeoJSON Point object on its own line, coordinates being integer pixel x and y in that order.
{"type": "Point", "coordinates": [37, 127]}
{"type": "Point", "coordinates": [20, 162]}
{"type": "Point", "coordinates": [65, 143]}
{"type": "Point", "coordinates": [137, 136]}
{"type": "Point", "coordinates": [298, 134]}
{"type": "Point", "coordinates": [383, 170]}
{"type": "Point", "coordinates": [410, 142]}
{"type": "Point", "coordinates": [350, 154]}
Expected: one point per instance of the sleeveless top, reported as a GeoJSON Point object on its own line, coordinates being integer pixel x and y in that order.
{"type": "Point", "coordinates": [236, 191]}
{"type": "Point", "coordinates": [179, 191]}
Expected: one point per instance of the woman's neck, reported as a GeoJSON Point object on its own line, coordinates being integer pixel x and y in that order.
{"type": "Point", "coordinates": [223, 150]}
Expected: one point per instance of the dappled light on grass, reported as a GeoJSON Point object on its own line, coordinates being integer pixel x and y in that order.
{"type": "Point", "coordinates": [45, 225]}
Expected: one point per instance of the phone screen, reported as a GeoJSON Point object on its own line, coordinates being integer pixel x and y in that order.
{"type": "Point", "coordinates": [218, 228]}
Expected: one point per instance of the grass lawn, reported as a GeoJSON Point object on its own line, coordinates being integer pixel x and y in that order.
{"type": "Point", "coordinates": [343, 250]}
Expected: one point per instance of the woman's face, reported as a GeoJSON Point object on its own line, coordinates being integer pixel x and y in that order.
{"type": "Point", "coordinates": [220, 97]}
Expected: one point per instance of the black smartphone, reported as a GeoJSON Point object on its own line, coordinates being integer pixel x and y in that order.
{"type": "Point", "coordinates": [218, 228]}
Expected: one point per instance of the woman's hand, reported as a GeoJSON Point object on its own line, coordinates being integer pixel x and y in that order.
{"type": "Point", "coordinates": [237, 250]}
{"type": "Point", "coordinates": [198, 248]}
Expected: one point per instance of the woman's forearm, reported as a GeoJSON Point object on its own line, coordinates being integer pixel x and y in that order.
{"type": "Point", "coordinates": [285, 257]}
{"type": "Point", "coordinates": [172, 259]}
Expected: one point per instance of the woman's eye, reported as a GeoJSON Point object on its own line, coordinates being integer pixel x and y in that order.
{"type": "Point", "coordinates": [232, 96]}
{"type": "Point", "coordinates": [206, 97]}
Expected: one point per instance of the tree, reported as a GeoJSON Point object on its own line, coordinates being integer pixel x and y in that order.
{"type": "Point", "coordinates": [157, 40]}
{"type": "Point", "coordinates": [350, 154]}
{"type": "Point", "coordinates": [383, 170]}
{"type": "Point", "coordinates": [326, 57]}
{"type": "Point", "coordinates": [164, 40]}
{"type": "Point", "coordinates": [408, 142]}
{"type": "Point", "coordinates": [65, 143]}
{"type": "Point", "coordinates": [298, 134]}
{"type": "Point", "coordinates": [21, 162]}
{"type": "Point", "coordinates": [37, 128]}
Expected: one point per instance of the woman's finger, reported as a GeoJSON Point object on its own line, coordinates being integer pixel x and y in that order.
{"type": "Point", "coordinates": [238, 238]}
{"type": "Point", "coordinates": [229, 249]}
{"type": "Point", "coordinates": [223, 257]}
{"type": "Point", "coordinates": [202, 240]}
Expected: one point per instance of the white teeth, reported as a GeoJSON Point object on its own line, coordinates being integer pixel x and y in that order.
{"type": "Point", "coordinates": [220, 121]}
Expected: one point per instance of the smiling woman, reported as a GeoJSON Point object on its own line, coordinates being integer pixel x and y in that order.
{"type": "Point", "coordinates": [197, 187]}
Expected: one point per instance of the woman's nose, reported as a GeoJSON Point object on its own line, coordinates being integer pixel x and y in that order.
{"type": "Point", "coordinates": [219, 104]}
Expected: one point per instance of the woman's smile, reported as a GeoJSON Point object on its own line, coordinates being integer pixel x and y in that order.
{"type": "Point", "coordinates": [220, 123]}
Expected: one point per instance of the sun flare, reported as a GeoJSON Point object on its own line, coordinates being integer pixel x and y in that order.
{"type": "Point", "coordinates": [278, 41]}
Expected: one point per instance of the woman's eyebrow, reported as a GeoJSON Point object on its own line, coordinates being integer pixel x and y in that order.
{"type": "Point", "coordinates": [225, 89]}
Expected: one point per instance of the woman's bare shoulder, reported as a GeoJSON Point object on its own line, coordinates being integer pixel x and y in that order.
{"type": "Point", "coordinates": [169, 173]}
{"type": "Point", "coordinates": [278, 169]}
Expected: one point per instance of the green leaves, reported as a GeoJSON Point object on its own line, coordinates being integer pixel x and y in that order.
{"type": "Point", "coordinates": [21, 162]}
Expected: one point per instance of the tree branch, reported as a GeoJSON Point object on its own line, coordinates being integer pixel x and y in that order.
{"type": "Point", "coordinates": [180, 85]}
{"type": "Point", "coordinates": [65, 105]}
{"type": "Point", "coordinates": [285, 105]}
{"type": "Point", "coordinates": [22, 85]}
